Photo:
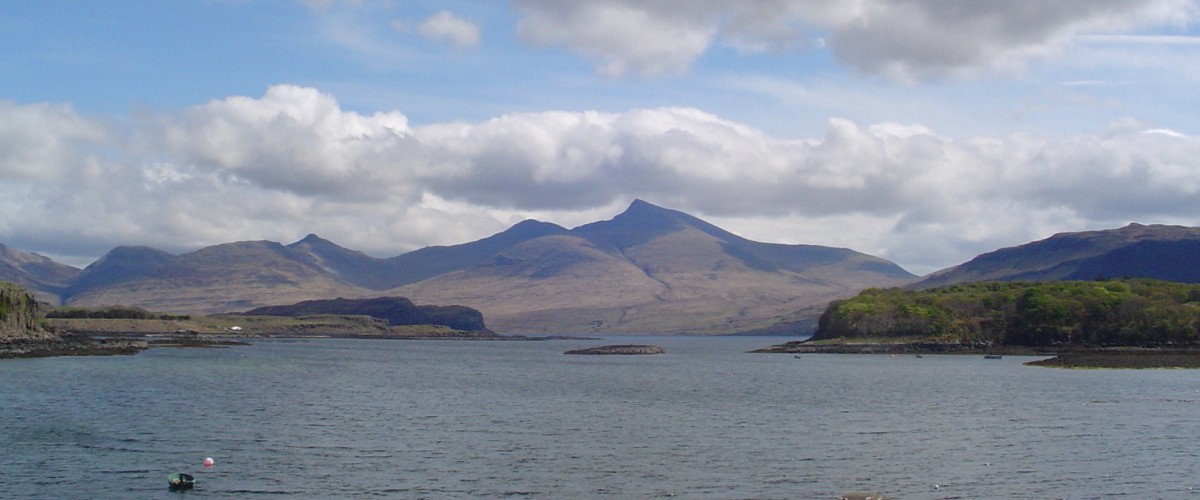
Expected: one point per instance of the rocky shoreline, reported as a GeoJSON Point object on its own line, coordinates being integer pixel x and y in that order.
{"type": "Point", "coordinates": [619, 350]}
{"type": "Point", "coordinates": [1124, 359]}
{"type": "Point", "coordinates": [806, 347]}
{"type": "Point", "coordinates": [1057, 356]}
{"type": "Point", "coordinates": [73, 345]}
{"type": "Point", "coordinates": [109, 343]}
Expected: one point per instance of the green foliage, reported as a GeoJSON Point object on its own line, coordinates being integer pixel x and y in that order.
{"type": "Point", "coordinates": [1132, 312]}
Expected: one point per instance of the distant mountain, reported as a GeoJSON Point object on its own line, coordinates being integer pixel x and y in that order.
{"type": "Point", "coordinates": [39, 275]}
{"type": "Point", "coordinates": [121, 264]}
{"type": "Point", "coordinates": [348, 265]}
{"type": "Point", "coordinates": [647, 270]}
{"type": "Point", "coordinates": [1137, 251]}
{"type": "Point", "coordinates": [654, 270]}
{"type": "Point", "coordinates": [429, 262]}
{"type": "Point", "coordinates": [223, 278]}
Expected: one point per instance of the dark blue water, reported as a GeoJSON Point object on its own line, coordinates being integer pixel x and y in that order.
{"type": "Point", "coordinates": [460, 419]}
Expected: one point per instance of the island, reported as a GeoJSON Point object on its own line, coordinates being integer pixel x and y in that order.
{"type": "Point", "coordinates": [626, 349]}
{"type": "Point", "coordinates": [1126, 323]}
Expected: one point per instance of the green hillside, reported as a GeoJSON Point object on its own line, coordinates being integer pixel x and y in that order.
{"type": "Point", "coordinates": [1135, 312]}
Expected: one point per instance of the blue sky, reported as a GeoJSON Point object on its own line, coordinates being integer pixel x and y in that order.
{"type": "Point", "coordinates": [923, 131]}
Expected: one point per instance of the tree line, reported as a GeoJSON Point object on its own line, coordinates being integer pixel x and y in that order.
{"type": "Point", "coordinates": [1125, 312]}
{"type": "Point", "coordinates": [113, 312]}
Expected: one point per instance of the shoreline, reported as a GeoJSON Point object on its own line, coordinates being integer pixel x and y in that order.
{"type": "Point", "coordinates": [71, 345]}
{"type": "Point", "coordinates": [1074, 357]}
{"type": "Point", "coordinates": [111, 343]}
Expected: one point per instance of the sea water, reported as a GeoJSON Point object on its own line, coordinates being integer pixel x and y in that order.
{"type": "Point", "coordinates": [334, 418]}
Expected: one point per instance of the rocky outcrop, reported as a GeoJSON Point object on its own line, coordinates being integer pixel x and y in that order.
{"type": "Point", "coordinates": [19, 315]}
{"type": "Point", "coordinates": [22, 336]}
{"type": "Point", "coordinates": [619, 349]}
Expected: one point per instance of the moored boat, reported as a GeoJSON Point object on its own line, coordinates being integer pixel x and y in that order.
{"type": "Point", "coordinates": [180, 481]}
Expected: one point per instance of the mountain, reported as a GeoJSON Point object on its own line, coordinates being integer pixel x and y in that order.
{"type": "Point", "coordinates": [654, 270]}
{"type": "Point", "coordinates": [351, 266]}
{"type": "Point", "coordinates": [1137, 251]}
{"type": "Point", "coordinates": [647, 270]}
{"type": "Point", "coordinates": [119, 265]}
{"type": "Point", "coordinates": [223, 278]}
{"type": "Point", "coordinates": [44, 278]}
{"type": "Point", "coordinates": [428, 262]}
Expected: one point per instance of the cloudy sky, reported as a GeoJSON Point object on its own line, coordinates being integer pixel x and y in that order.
{"type": "Point", "coordinates": [922, 131]}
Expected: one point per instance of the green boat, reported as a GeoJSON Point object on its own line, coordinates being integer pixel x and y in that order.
{"type": "Point", "coordinates": [180, 481]}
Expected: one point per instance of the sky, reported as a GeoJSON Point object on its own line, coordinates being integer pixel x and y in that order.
{"type": "Point", "coordinates": [921, 131]}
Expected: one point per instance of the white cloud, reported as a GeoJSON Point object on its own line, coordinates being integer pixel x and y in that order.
{"type": "Point", "coordinates": [902, 39]}
{"type": "Point", "coordinates": [447, 27]}
{"type": "Point", "coordinates": [43, 141]}
{"type": "Point", "coordinates": [293, 162]}
{"type": "Point", "coordinates": [623, 36]}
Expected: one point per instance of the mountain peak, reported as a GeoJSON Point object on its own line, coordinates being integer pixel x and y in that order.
{"type": "Point", "coordinates": [311, 239]}
{"type": "Point", "coordinates": [641, 208]}
{"type": "Point", "coordinates": [639, 223]}
{"type": "Point", "coordinates": [531, 227]}
{"type": "Point", "coordinates": [644, 221]}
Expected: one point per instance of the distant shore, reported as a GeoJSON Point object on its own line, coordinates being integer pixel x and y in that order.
{"type": "Point", "coordinates": [1057, 356]}
{"type": "Point", "coordinates": [881, 347]}
{"type": "Point", "coordinates": [122, 337]}
{"type": "Point", "coordinates": [1124, 358]}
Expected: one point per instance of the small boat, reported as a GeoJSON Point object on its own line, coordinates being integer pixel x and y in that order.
{"type": "Point", "coordinates": [180, 481]}
{"type": "Point", "coordinates": [920, 356]}
{"type": "Point", "coordinates": [992, 356]}
{"type": "Point", "coordinates": [796, 356]}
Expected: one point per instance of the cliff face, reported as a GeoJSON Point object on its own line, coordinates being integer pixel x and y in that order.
{"type": "Point", "coordinates": [19, 315]}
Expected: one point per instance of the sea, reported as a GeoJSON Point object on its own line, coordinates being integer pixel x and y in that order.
{"type": "Point", "coordinates": [340, 418]}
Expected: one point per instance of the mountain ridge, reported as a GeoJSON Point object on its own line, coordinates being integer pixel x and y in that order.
{"type": "Point", "coordinates": [1084, 255]}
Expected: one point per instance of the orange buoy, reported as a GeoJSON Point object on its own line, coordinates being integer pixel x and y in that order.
{"type": "Point", "coordinates": [208, 462]}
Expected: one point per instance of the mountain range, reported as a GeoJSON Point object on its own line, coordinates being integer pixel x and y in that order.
{"type": "Point", "coordinates": [647, 270]}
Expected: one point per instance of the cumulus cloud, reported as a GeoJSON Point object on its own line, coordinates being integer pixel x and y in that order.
{"type": "Point", "coordinates": [44, 141]}
{"type": "Point", "coordinates": [623, 36]}
{"type": "Point", "coordinates": [293, 161]}
{"type": "Point", "coordinates": [447, 27]}
{"type": "Point", "coordinates": [902, 39]}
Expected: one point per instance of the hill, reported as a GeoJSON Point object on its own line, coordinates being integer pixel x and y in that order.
{"type": "Point", "coordinates": [1136, 251]}
{"type": "Point", "coordinates": [1137, 312]}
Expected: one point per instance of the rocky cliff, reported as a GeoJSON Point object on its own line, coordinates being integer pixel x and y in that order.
{"type": "Point", "coordinates": [19, 315]}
